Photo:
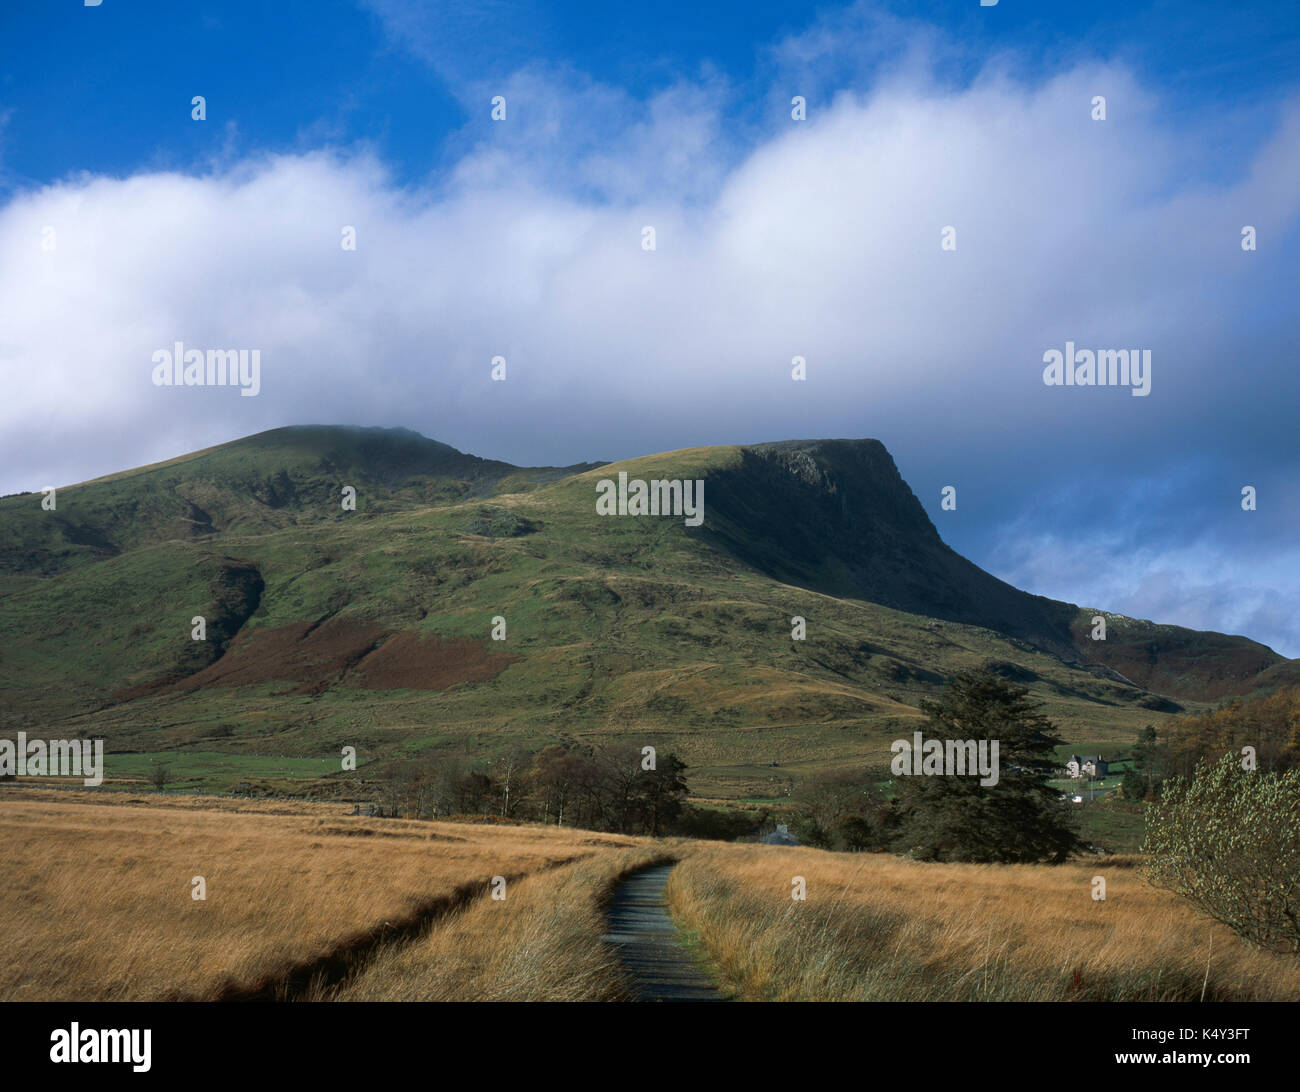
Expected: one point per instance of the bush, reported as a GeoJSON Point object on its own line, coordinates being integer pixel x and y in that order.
{"type": "Point", "coordinates": [160, 776]}
{"type": "Point", "coordinates": [845, 810]}
{"type": "Point", "coordinates": [1229, 842]}
{"type": "Point", "coordinates": [715, 824]}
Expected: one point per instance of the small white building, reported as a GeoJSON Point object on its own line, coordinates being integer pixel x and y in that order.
{"type": "Point", "coordinates": [1087, 766]}
{"type": "Point", "coordinates": [780, 837]}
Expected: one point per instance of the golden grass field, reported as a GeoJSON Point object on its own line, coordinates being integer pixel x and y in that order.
{"type": "Point", "coordinates": [306, 902]}
{"type": "Point", "coordinates": [96, 903]}
{"type": "Point", "coordinates": [540, 944]}
{"type": "Point", "coordinates": [876, 927]}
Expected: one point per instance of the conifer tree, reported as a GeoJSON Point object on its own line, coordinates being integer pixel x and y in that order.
{"type": "Point", "coordinates": [1021, 818]}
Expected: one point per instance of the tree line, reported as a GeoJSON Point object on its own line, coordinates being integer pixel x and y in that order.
{"type": "Point", "coordinates": [610, 788]}
{"type": "Point", "coordinates": [615, 788]}
{"type": "Point", "coordinates": [1269, 724]}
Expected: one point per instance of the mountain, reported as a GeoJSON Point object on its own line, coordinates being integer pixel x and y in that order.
{"type": "Point", "coordinates": [836, 516]}
{"type": "Point", "coordinates": [267, 482]}
{"type": "Point", "coordinates": [328, 627]}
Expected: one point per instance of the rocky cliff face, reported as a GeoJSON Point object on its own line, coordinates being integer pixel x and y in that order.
{"type": "Point", "coordinates": [835, 516]}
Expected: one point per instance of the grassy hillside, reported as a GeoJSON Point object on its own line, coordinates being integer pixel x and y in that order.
{"type": "Point", "coordinates": [372, 628]}
{"type": "Point", "coordinates": [279, 479]}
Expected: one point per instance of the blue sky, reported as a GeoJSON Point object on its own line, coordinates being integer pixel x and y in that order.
{"type": "Point", "coordinates": [107, 89]}
{"type": "Point", "coordinates": [776, 238]}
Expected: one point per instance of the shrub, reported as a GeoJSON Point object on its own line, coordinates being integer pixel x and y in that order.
{"type": "Point", "coordinates": [1228, 841]}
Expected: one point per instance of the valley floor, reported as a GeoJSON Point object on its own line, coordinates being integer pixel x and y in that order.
{"type": "Point", "coordinates": [304, 901]}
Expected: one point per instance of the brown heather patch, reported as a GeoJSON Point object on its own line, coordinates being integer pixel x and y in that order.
{"type": "Point", "coordinates": [340, 651]}
{"type": "Point", "coordinates": [408, 661]}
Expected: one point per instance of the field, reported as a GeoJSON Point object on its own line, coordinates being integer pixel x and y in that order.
{"type": "Point", "coordinates": [304, 901]}
{"type": "Point", "coordinates": [97, 902]}
{"type": "Point", "coordinates": [879, 928]}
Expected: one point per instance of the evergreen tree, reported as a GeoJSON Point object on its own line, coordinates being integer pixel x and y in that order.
{"type": "Point", "coordinates": [663, 793]}
{"type": "Point", "coordinates": [1021, 818]}
{"type": "Point", "coordinates": [1150, 767]}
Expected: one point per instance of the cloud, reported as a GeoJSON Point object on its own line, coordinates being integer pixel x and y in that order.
{"type": "Point", "coordinates": [1201, 585]}
{"type": "Point", "coordinates": [818, 239]}
{"type": "Point", "coordinates": [467, 42]}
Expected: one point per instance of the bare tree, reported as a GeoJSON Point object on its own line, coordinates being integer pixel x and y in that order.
{"type": "Point", "coordinates": [160, 775]}
{"type": "Point", "coordinates": [511, 768]}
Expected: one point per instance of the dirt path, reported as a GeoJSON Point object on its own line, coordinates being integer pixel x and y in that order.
{"type": "Point", "coordinates": [642, 930]}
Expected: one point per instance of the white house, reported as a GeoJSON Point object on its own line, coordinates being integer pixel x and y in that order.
{"type": "Point", "coordinates": [1087, 766]}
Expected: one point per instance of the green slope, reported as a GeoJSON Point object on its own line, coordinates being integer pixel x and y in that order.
{"type": "Point", "coordinates": [274, 480]}
{"type": "Point", "coordinates": [371, 628]}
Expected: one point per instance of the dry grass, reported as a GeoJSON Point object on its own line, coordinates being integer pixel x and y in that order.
{"type": "Point", "coordinates": [96, 901]}
{"type": "Point", "coordinates": [879, 928]}
{"type": "Point", "coordinates": [96, 905]}
{"type": "Point", "coordinates": [538, 944]}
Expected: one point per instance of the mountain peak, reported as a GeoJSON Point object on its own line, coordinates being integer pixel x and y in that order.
{"type": "Point", "coordinates": [836, 516]}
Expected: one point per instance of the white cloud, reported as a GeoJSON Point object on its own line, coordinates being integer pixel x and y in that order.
{"type": "Point", "coordinates": [820, 240]}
